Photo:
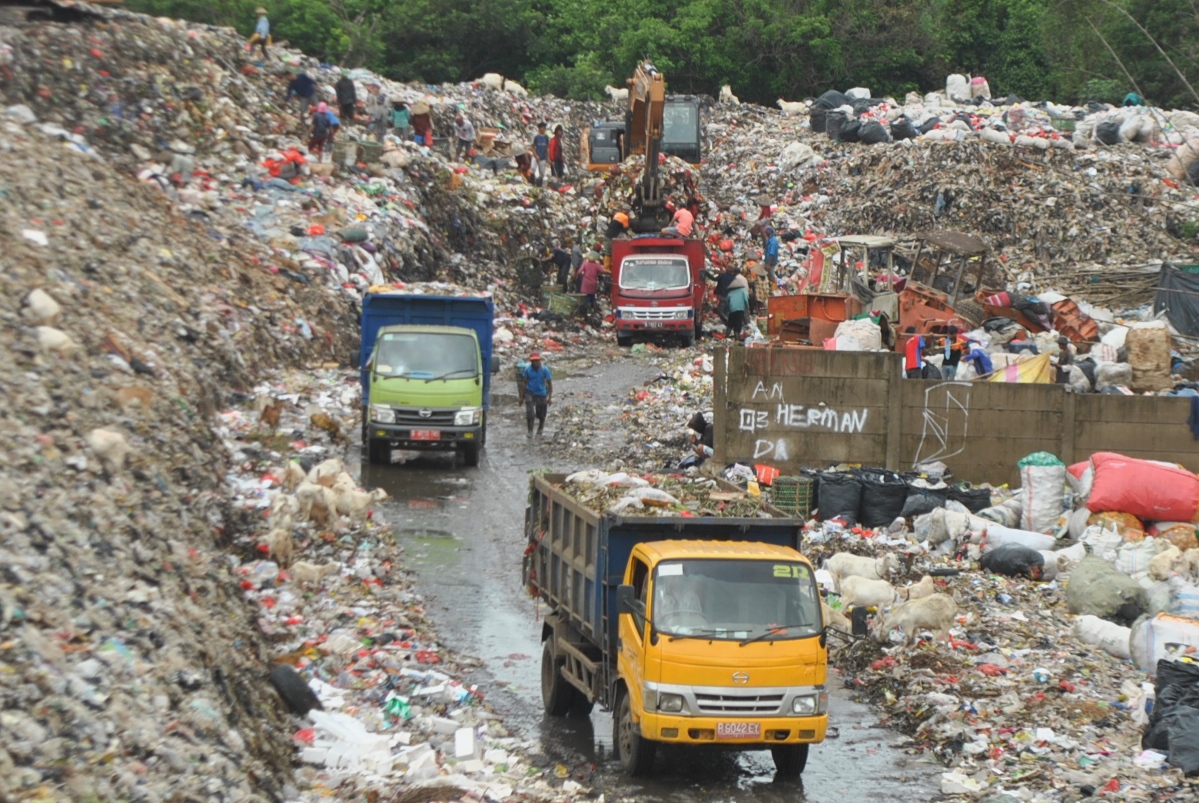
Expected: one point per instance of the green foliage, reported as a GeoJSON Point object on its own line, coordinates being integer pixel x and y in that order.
{"type": "Point", "coordinates": [1057, 49]}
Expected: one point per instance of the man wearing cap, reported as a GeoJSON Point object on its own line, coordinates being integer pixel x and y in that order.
{"type": "Point", "coordinates": [347, 95]}
{"type": "Point", "coordinates": [464, 135]}
{"type": "Point", "coordinates": [536, 392]}
{"type": "Point", "coordinates": [262, 32]}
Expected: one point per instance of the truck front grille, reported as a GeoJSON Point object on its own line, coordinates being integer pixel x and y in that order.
{"type": "Point", "coordinates": [413, 418]}
{"type": "Point", "coordinates": [734, 703]}
{"type": "Point", "coordinates": [648, 314]}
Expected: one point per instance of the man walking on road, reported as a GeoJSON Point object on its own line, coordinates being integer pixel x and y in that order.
{"type": "Point", "coordinates": [536, 392]}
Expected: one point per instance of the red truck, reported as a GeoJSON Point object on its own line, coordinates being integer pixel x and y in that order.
{"type": "Point", "coordinates": [658, 288]}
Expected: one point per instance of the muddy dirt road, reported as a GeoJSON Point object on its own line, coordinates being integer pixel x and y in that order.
{"type": "Point", "coordinates": [463, 533]}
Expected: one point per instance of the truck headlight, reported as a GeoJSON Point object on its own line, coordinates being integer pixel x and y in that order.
{"type": "Point", "coordinates": [670, 703]}
{"type": "Point", "coordinates": [383, 414]}
{"type": "Point", "coordinates": [683, 314]}
{"type": "Point", "coordinates": [805, 706]}
{"type": "Point", "coordinates": [467, 416]}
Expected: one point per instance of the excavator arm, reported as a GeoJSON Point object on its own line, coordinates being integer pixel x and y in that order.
{"type": "Point", "coordinates": [647, 100]}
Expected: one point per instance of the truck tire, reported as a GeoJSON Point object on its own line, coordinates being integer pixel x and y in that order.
{"type": "Point", "coordinates": [689, 339]}
{"type": "Point", "coordinates": [470, 454]}
{"type": "Point", "coordinates": [789, 759]}
{"type": "Point", "coordinates": [557, 695]}
{"type": "Point", "coordinates": [624, 341]}
{"type": "Point", "coordinates": [378, 451]}
{"type": "Point", "coordinates": [483, 432]}
{"type": "Point", "coordinates": [636, 753]}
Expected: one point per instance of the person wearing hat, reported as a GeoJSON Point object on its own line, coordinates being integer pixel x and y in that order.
{"type": "Point", "coordinates": [541, 148]}
{"type": "Point", "coordinates": [557, 153]}
{"type": "Point", "coordinates": [464, 136]}
{"type": "Point", "coordinates": [323, 128]}
{"type": "Point", "coordinates": [589, 277]}
{"type": "Point", "coordinates": [536, 392]}
{"type": "Point", "coordinates": [738, 304]}
{"type": "Point", "coordinates": [422, 124]}
{"type": "Point", "coordinates": [401, 120]}
{"type": "Point", "coordinates": [262, 32]}
{"type": "Point", "coordinates": [378, 109]}
{"type": "Point", "coordinates": [347, 95]}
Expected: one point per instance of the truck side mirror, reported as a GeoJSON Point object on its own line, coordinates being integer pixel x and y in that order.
{"type": "Point", "coordinates": [626, 600]}
{"type": "Point", "coordinates": [495, 365]}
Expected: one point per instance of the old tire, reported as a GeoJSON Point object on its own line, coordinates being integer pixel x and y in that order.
{"type": "Point", "coordinates": [470, 454]}
{"type": "Point", "coordinates": [636, 753]}
{"type": "Point", "coordinates": [557, 695]}
{"type": "Point", "coordinates": [789, 759]}
{"type": "Point", "coordinates": [624, 341]}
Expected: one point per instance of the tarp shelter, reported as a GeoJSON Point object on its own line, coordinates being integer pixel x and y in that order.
{"type": "Point", "coordinates": [1178, 295]}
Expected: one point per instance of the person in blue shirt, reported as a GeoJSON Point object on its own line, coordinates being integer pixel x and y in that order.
{"type": "Point", "coordinates": [738, 305]}
{"type": "Point", "coordinates": [541, 149]}
{"type": "Point", "coordinates": [536, 392]}
{"type": "Point", "coordinates": [771, 252]}
{"type": "Point", "coordinates": [262, 32]}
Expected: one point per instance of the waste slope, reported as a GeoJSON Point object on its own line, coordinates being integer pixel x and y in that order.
{"type": "Point", "coordinates": [131, 668]}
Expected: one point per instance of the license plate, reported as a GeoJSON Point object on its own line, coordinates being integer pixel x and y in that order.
{"type": "Point", "coordinates": [426, 434]}
{"type": "Point", "coordinates": [654, 325]}
{"type": "Point", "coordinates": [738, 730]}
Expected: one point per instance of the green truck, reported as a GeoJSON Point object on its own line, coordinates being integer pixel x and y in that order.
{"type": "Point", "coordinates": [426, 366]}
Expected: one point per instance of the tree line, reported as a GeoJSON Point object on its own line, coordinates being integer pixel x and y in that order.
{"type": "Point", "coordinates": [1064, 50]}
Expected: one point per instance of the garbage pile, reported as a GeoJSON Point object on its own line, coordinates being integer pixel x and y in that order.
{"type": "Point", "coordinates": [375, 701]}
{"type": "Point", "coordinates": [1037, 615]}
{"type": "Point", "coordinates": [630, 494]}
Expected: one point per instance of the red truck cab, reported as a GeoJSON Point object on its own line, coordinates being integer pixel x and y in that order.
{"type": "Point", "coordinates": [658, 288]}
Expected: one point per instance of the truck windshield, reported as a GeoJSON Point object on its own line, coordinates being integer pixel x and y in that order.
{"type": "Point", "coordinates": [424, 355]}
{"type": "Point", "coordinates": [735, 600]}
{"type": "Point", "coordinates": [654, 274]}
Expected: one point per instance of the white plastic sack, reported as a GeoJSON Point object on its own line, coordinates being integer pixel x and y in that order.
{"type": "Point", "coordinates": [1158, 592]}
{"type": "Point", "coordinates": [995, 136]}
{"type": "Point", "coordinates": [1113, 374]}
{"type": "Point", "coordinates": [796, 155]}
{"type": "Point", "coordinates": [980, 88]}
{"type": "Point", "coordinates": [1133, 558]}
{"type": "Point", "coordinates": [997, 535]}
{"type": "Point", "coordinates": [1130, 128]}
{"type": "Point", "coordinates": [1162, 637]}
{"type": "Point", "coordinates": [1078, 519]}
{"type": "Point", "coordinates": [858, 93]}
{"type": "Point", "coordinates": [1184, 596]}
{"type": "Point", "coordinates": [1044, 492]}
{"type": "Point", "coordinates": [1104, 543]}
{"type": "Point", "coordinates": [864, 331]}
{"type": "Point", "coordinates": [1107, 636]}
{"type": "Point", "coordinates": [957, 87]}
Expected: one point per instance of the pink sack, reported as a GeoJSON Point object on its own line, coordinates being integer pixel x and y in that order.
{"type": "Point", "coordinates": [1149, 490]}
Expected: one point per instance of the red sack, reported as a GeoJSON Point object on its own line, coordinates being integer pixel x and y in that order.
{"type": "Point", "coordinates": [1148, 490]}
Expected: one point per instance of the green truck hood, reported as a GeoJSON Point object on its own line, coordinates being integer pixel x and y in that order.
{"type": "Point", "coordinates": [403, 392]}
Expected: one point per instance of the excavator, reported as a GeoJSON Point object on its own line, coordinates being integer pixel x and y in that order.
{"type": "Point", "coordinates": [654, 123]}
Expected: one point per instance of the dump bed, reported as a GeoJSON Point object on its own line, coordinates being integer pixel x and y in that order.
{"type": "Point", "coordinates": [577, 556]}
{"type": "Point", "coordinates": [381, 309]}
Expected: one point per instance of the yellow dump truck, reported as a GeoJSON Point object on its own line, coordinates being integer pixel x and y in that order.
{"type": "Point", "coordinates": [691, 629]}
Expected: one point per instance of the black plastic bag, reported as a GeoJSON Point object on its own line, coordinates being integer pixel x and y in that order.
{"type": "Point", "coordinates": [294, 690]}
{"type": "Point", "coordinates": [975, 499]}
{"type": "Point", "coordinates": [850, 130]}
{"type": "Point", "coordinates": [863, 105]}
{"type": "Point", "coordinates": [902, 128]}
{"type": "Point", "coordinates": [839, 497]}
{"type": "Point", "coordinates": [1176, 687]}
{"type": "Point", "coordinates": [873, 133]}
{"type": "Point", "coordinates": [1108, 133]}
{"type": "Point", "coordinates": [923, 500]}
{"type": "Point", "coordinates": [832, 125]}
{"type": "Point", "coordinates": [1013, 560]}
{"type": "Point", "coordinates": [820, 108]}
{"type": "Point", "coordinates": [929, 124]}
{"type": "Point", "coordinates": [930, 371]}
{"type": "Point", "coordinates": [1182, 734]}
{"type": "Point", "coordinates": [883, 498]}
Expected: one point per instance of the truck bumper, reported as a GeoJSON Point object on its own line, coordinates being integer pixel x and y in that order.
{"type": "Point", "coordinates": [702, 730]}
{"type": "Point", "coordinates": [405, 437]}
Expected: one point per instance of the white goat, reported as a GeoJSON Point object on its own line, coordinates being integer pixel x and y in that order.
{"type": "Point", "coordinates": [792, 108]}
{"type": "Point", "coordinates": [616, 94]}
{"type": "Point", "coordinates": [845, 564]}
{"type": "Point", "coordinates": [862, 592]}
{"type": "Point", "coordinates": [934, 612]}
{"type": "Point", "coordinates": [727, 96]}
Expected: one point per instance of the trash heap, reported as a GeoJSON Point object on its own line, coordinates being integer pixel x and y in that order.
{"type": "Point", "coordinates": [661, 495]}
{"type": "Point", "coordinates": [1064, 598]}
{"type": "Point", "coordinates": [375, 701]}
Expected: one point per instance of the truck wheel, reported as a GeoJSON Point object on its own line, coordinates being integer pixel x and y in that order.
{"type": "Point", "coordinates": [483, 432]}
{"type": "Point", "coordinates": [636, 753]}
{"type": "Point", "coordinates": [378, 451]}
{"type": "Point", "coordinates": [470, 454]}
{"type": "Point", "coordinates": [789, 759]}
{"type": "Point", "coordinates": [624, 341]}
{"type": "Point", "coordinates": [557, 695]}
{"type": "Point", "coordinates": [689, 339]}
